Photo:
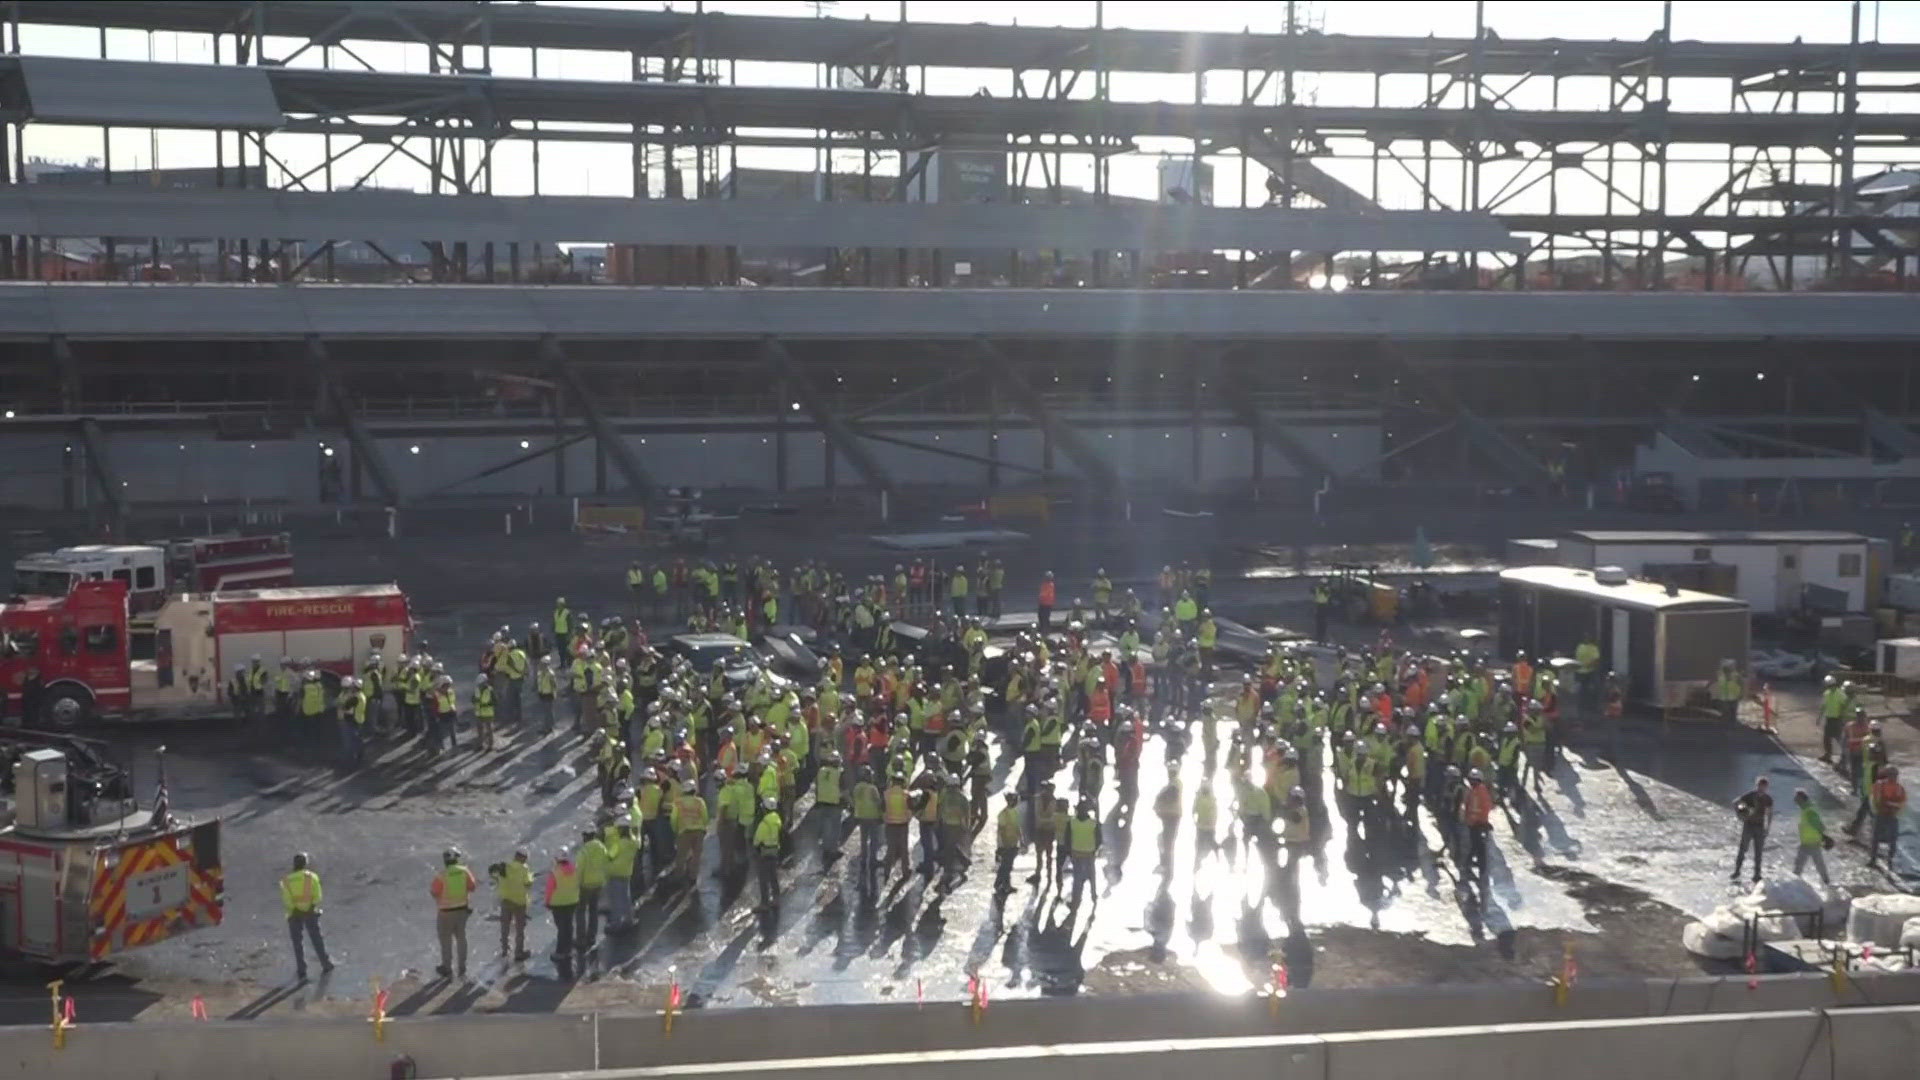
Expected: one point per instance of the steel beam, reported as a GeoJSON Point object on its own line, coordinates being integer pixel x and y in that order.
{"type": "Point", "coordinates": [366, 449]}
{"type": "Point", "coordinates": [1093, 464]}
{"type": "Point", "coordinates": [609, 440]}
{"type": "Point", "coordinates": [840, 435]}
{"type": "Point", "coordinates": [100, 466]}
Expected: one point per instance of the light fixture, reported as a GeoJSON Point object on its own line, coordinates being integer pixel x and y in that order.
{"type": "Point", "coordinates": [524, 444]}
{"type": "Point", "coordinates": [1338, 283]}
{"type": "Point", "coordinates": [414, 449]}
{"type": "Point", "coordinates": [328, 451]}
{"type": "Point", "coordinates": [1760, 375]}
{"type": "Point", "coordinates": [796, 406]}
{"type": "Point", "coordinates": [1316, 280]}
{"type": "Point", "coordinates": [9, 414]}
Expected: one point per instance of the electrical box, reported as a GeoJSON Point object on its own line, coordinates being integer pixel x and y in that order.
{"type": "Point", "coordinates": [40, 790]}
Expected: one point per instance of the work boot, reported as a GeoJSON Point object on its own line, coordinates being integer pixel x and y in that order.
{"type": "Point", "coordinates": [326, 966]}
{"type": "Point", "coordinates": [443, 971]}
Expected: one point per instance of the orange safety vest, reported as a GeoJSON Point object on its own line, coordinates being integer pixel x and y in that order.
{"type": "Point", "coordinates": [1046, 594]}
{"type": "Point", "coordinates": [1888, 796]}
{"type": "Point", "coordinates": [1479, 805]}
{"type": "Point", "coordinates": [1856, 736]}
{"type": "Point", "coordinates": [1100, 704]}
{"type": "Point", "coordinates": [1522, 678]}
{"type": "Point", "coordinates": [1138, 675]}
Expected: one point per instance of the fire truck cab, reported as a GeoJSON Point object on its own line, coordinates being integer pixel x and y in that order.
{"type": "Point", "coordinates": [152, 572]}
{"type": "Point", "coordinates": [94, 662]}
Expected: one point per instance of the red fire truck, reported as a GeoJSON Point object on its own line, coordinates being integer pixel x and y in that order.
{"type": "Point", "coordinates": [154, 571]}
{"type": "Point", "coordinates": [94, 662]}
{"type": "Point", "coordinates": [87, 875]}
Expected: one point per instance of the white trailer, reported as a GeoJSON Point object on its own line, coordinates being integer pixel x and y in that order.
{"type": "Point", "coordinates": [1769, 570]}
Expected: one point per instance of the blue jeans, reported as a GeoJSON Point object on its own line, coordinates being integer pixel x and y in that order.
{"type": "Point", "coordinates": [351, 746]}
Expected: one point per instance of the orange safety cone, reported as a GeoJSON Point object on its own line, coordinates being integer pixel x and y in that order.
{"type": "Point", "coordinates": [1753, 971]}
{"type": "Point", "coordinates": [199, 1007]}
{"type": "Point", "coordinates": [378, 1018]}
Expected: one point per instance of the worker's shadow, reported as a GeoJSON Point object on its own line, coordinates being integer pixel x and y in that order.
{"type": "Point", "coordinates": [924, 938]}
{"type": "Point", "coordinates": [259, 1006]}
{"type": "Point", "coordinates": [528, 994]}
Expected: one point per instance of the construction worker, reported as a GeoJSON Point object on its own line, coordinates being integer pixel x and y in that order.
{"type": "Point", "coordinates": [282, 686]}
{"type": "Point", "coordinates": [1295, 834]}
{"type": "Point", "coordinates": [767, 836]}
{"type": "Point", "coordinates": [735, 812]}
{"type": "Point", "coordinates": [689, 819]}
{"type": "Point", "coordinates": [1814, 840]}
{"type": "Point", "coordinates": [452, 890]}
{"type": "Point", "coordinates": [1889, 798]}
{"type": "Point", "coordinates": [1833, 715]}
{"type": "Point", "coordinates": [1206, 818]}
{"type": "Point", "coordinates": [1006, 846]}
{"type": "Point", "coordinates": [1475, 812]}
{"type": "Point", "coordinates": [546, 684]}
{"type": "Point", "coordinates": [866, 816]}
{"type": "Point", "coordinates": [1083, 842]}
{"type": "Point", "coordinates": [595, 863]}
{"type": "Point", "coordinates": [1728, 688]}
{"type": "Point", "coordinates": [313, 702]}
{"type": "Point", "coordinates": [239, 694]}
{"type": "Point", "coordinates": [1102, 595]}
{"type": "Point", "coordinates": [1755, 811]}
{"type": "Point", "coordinates": [512, 672]}
{"type": "Point", "coordinates": [1586, 659]}
{"type": "Point", "coordinates": [373, 684]}
{"type": "Point", "coordinates": [514, 881]}
{"type": "Point", "coordinates": [300, 895]}
{"type": "Point", "coordinates": [829, 804]}
{"type": "Point", "coordinates": [1322, 607]}
{"type": "Point", "coordinates": [896, 812]}
{"type": "Point", "coordinates": [957, 588]}
{"type": "Point", "coordinates": [562, 622]}
{"type": "Point", "coordinates": [350, 710]}
{"type": "Point", "coordinates": [1046, 602]}
{"type": "Point", "coordinates": [483, 714]}
{"type": "Point", "coordinates": [1168, 805]}
{"type": "Point", "coordinates": [563, 902]}
{"type": "Point", "coordinates": [956, 829]}
{"type": "Point", "coordinates": [622, 852]}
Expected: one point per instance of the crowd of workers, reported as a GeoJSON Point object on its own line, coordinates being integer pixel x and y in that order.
{"type": "Point", "coordinates": [1409, 756]}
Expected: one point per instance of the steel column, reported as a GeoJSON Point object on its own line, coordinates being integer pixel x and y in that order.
{"type": "Point", "coordinates": [840, 435]}
{"type": "Point", "coordinates": [366, 449]}
{"type": "Point", "coordinates": [1092, 464]}
{"type": "Point", "coordinates": [608, 440]}
{"type": "Point", "coordinates": [100, 466]}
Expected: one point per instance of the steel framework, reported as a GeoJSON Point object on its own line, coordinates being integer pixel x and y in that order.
{"type": "Point", "coordinates": [1658, 166]}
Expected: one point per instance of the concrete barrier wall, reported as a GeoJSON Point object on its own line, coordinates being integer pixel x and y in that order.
{"type": "Point", "coordinates": [491, 1045]}
{"type": "Point", "coordinates": [482, 1045]}
{"type": "Point", "coordinates": [1863, 1044]}
{"type": "Point", "coordinates": [820, 1031]}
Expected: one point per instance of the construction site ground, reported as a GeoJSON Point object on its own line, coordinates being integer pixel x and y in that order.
{"type": "Point", "coordinates": [1632, 837]}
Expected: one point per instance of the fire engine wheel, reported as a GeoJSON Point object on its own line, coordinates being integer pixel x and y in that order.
{"type": "Point", "coordinates": [68, 709]}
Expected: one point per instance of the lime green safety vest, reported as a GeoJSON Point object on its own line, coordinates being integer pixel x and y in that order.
{"type": "Point", "coordinates": [1082, 835]}
{"type": "Point", "coordinates": [828, 785]}
{"type": "Point", "coordinates": [453, 887]}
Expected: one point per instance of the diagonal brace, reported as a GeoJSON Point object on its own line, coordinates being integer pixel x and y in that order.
{"type": "Point", "coordinates": [610, 442]}
{"type": "Point", "coordinates": [1093, 464]}
{"type": "Point", "coordinates": [841, 435]}
{"type": "Point", "coordinates": [366, 449]}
